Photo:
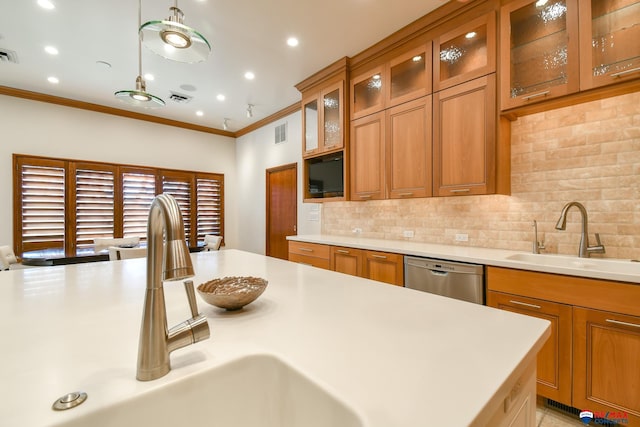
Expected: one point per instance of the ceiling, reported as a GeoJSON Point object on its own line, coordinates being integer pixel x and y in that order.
{"type": "Point", "coordinates": [245, 35]}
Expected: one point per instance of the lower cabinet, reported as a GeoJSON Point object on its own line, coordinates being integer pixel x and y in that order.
{"type": "Point", "coordinates": [381, 266]}
{"type": "Point", "coordinates": [606, 371]}
{"type": "Point", "coordinates": [384, 267]}
{"type": "Point", "coordinates": [590, 362]}
{"type": "Point", "coordinates": [554, 359]}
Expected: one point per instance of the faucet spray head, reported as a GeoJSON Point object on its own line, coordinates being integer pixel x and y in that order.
{"type": "Point", "coordinates": [562, 222]}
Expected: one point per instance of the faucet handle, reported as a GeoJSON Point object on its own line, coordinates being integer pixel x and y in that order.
{"type": "Point", "coordinates": [191, 296]}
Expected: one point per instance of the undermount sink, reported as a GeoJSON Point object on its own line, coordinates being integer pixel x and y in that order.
{"type": "Point", "coordinates": [254, 391]}
{"type": "Point", "coordinates": [605, 265]}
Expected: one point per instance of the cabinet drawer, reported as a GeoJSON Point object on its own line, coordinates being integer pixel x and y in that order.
{"type": "Point", "coordinates": [310, 260]}
{"type": "Point", "coordinates": [309, 249]}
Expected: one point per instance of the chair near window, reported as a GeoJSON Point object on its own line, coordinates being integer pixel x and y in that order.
{"type": "Point", "coordinates": [211, 242]}
{"type": "Point", "coordinates": [101, 244]}
{"type": "Point", "coordinates": [117, 253]}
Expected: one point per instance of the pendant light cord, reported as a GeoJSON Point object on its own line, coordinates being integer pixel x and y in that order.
{"type": "Point", "coordinates": [139, 38]}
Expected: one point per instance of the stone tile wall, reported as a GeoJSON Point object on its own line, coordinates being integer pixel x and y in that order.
{"type": "Point", "coordinates": [589, 153]}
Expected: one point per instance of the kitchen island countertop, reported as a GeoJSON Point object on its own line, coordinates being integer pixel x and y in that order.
{"type": "Point", "coordinates": [399, 357]}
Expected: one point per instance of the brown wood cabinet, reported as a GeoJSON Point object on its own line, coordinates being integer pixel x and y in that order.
{"type": "Point", "coordinates": [554, 359]}
{"type": "Point", "coordinates": [384, 267]}
{"type": "Point", "coordinates": [606, 373]}
{"type": "Point", "coordinates": [465, 138]}
{"type": "Point", "coordinates": [609, 42]}
{"type": "Point", "coordinates": [538, 51]}
{"type": "Point", "coordinates": [605, 337]}
{"type": "Point", "coordinates": [405, 77]}
{"type": "Point", "coordinates": [367, 156]}
{"type": "Point", "coordinates": [347, 260]}
{"type": "Point", "coordinates": [323, 120]}
{"type": "Point", "coordinates": [464, 53]}
{"type": "Point", "coordinates": [314, 254]}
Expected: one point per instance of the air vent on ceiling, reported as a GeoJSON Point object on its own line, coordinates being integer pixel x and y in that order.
{"type": "Point", "coordinates": [7, 55]}
{"type": "Point", "coordinates": [180, 98]}
{"type": "Point", "coordinates": [281, 133]}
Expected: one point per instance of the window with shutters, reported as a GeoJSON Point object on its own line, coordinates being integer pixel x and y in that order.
{"type": "Point", "coordinates": [40, 220]}
{"type": "Point", "coordinates": [64, 205]}
{"type": "Point", "coordinates": [94, 203]}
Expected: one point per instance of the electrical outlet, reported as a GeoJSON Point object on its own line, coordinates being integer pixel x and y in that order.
{"type": "Point", "coordinates": [357, 230]}
{"type": "Point", "coordinates": [462, 237]}
{"type": "Point", "coordinates": [407, 233]}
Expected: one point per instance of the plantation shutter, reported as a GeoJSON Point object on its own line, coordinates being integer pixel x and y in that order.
{"type": "Point", "coordinates": [94, 204]}
{"type": "Point", "coordinates": [42, 187]}
{"type": "Point", "coordinates": [209, 195]}
{"type": "Point", "coordinates": [179, 186]}
{"type": "Point", "coordinates": [138, 191]}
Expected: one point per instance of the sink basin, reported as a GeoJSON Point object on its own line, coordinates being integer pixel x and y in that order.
{"type": "Point", "coordinates": [254, 391]}
{"type": "Point", "coordinates": [595, 264]}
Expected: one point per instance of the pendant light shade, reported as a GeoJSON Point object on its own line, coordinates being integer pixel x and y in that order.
{"type": "Point", "coordinates": [139, 97]}
{"type": "Point", "coordinates": [173, 40]}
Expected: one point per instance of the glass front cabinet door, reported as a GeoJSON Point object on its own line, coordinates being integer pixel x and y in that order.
{"type": "Point", "coordinates": [539, 50]}
{"type": "Point", "coordinates": [609, 42]}
{"type": "Point", "coordinates": [323, 121]}
{"type": "Point", "coordinates": [464, 53]}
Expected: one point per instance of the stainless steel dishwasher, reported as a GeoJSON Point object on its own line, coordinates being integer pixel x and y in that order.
{"type": "Point", "coordinates": [451, 279]}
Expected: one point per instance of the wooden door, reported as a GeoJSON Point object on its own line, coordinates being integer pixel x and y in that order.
{"type": "Point", "coordinates": [606, 354]}
{"type": "Point", "coordinates": [346, 260]}
{"type": "Point", "coordinates": [408, 142]}
{"type": "Point", "coordinates": [281, 209]}
{"type": "Point", "coordinates": [464, 138]}
{"type": "Point", "coordinates": [384, 267]}
{"type": "Point", "coordinates": [367, 157]}
{"type": "Point", "coordinates": [554, 359]}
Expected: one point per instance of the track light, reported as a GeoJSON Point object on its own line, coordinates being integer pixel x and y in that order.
{"type": "Point", "coordinates": [250, 111]}
{"type": "Point", "coordinates": [171, 39]}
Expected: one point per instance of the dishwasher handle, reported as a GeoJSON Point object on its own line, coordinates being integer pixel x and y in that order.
{"type": "Point", "coordinates": [439, 273]}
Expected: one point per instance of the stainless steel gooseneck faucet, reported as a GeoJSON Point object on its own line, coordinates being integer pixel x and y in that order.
{"type": "Point", "coordinates": [156, 340]}
{"type": "Point", "coordinates": [584, 250]}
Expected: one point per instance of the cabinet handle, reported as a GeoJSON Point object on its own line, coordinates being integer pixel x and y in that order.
{"type": "Point", "coordinates": [525, 304]}
{"type": "Point", "coordinates": [536, 95]}
{"type": "Point", "coordinates": [405, 194]}
{"type": "Point", "coordinates": [365, 196]}
{"type": "Point", "coordinates": [306, 250]}
{"type": "Point", "coordinates": [461, 190]}
{"type": "Point", "coordinates": [622, 73]}
{"type": "Point", "coordinates": [379, 256]}
{"type": "Point", "coordinates": [618, 322]}
{"type": "Point", "coordinates": [342, 251]}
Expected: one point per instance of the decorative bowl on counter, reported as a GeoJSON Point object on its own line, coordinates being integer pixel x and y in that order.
{"type": "Point", "coordinates": [232, 293]}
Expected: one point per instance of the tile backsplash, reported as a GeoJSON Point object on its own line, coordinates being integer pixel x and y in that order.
{"type": "Point", "coordinates": [588, 153]}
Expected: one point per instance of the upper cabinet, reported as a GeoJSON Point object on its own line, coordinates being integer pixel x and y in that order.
{"type": "Point", "coordinates": [464, 53]}
{"type": "Point", "coordinates": [404, 78]}
{"type": "Point", "coordinates": [323, 119]}
{"type": "Point", "coordinates": [609, 42]}
{"type": "Point", "coordinates": [539, 51]}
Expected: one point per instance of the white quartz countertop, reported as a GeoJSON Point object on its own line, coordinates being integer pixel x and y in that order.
{"type": "Point", "coordinates": [617, 270]}
{"type": "Point", "coordinates": [399, 357]}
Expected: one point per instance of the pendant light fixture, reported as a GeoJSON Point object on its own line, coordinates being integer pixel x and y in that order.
{"type": "Point", "coordinates": [139, 97]}
{"type": "Point", "coordinates": [173, 40]}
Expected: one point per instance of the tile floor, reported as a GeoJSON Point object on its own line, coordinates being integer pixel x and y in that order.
{"type": "Point", "coordinates": [549, 417]}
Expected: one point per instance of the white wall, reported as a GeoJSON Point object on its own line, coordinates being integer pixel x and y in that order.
{"type": "Point", "coordinates": [41, 129]}
{"type": "Point", "coordinates": [255, 153]}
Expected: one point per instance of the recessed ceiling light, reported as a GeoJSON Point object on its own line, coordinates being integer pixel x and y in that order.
{"type": "Point", "coordinates": [221, 97]}
{"type": "Point", "coordinates": [51, 50]}
{"type": "Point", "coordinates": [53, 80]}
{"type": "Point", "coordinates": [199, 113]}
{"type": "Point", "coordinates": [149, 77]}
{"type": "Point", "coordinates": [46, 4]}
{"type": "Point", "coordinates": [249, 75]}
{"type": "Point", "coordinates": [292, 41]}
{"type": "Point", "coordinates": [470, 34]}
